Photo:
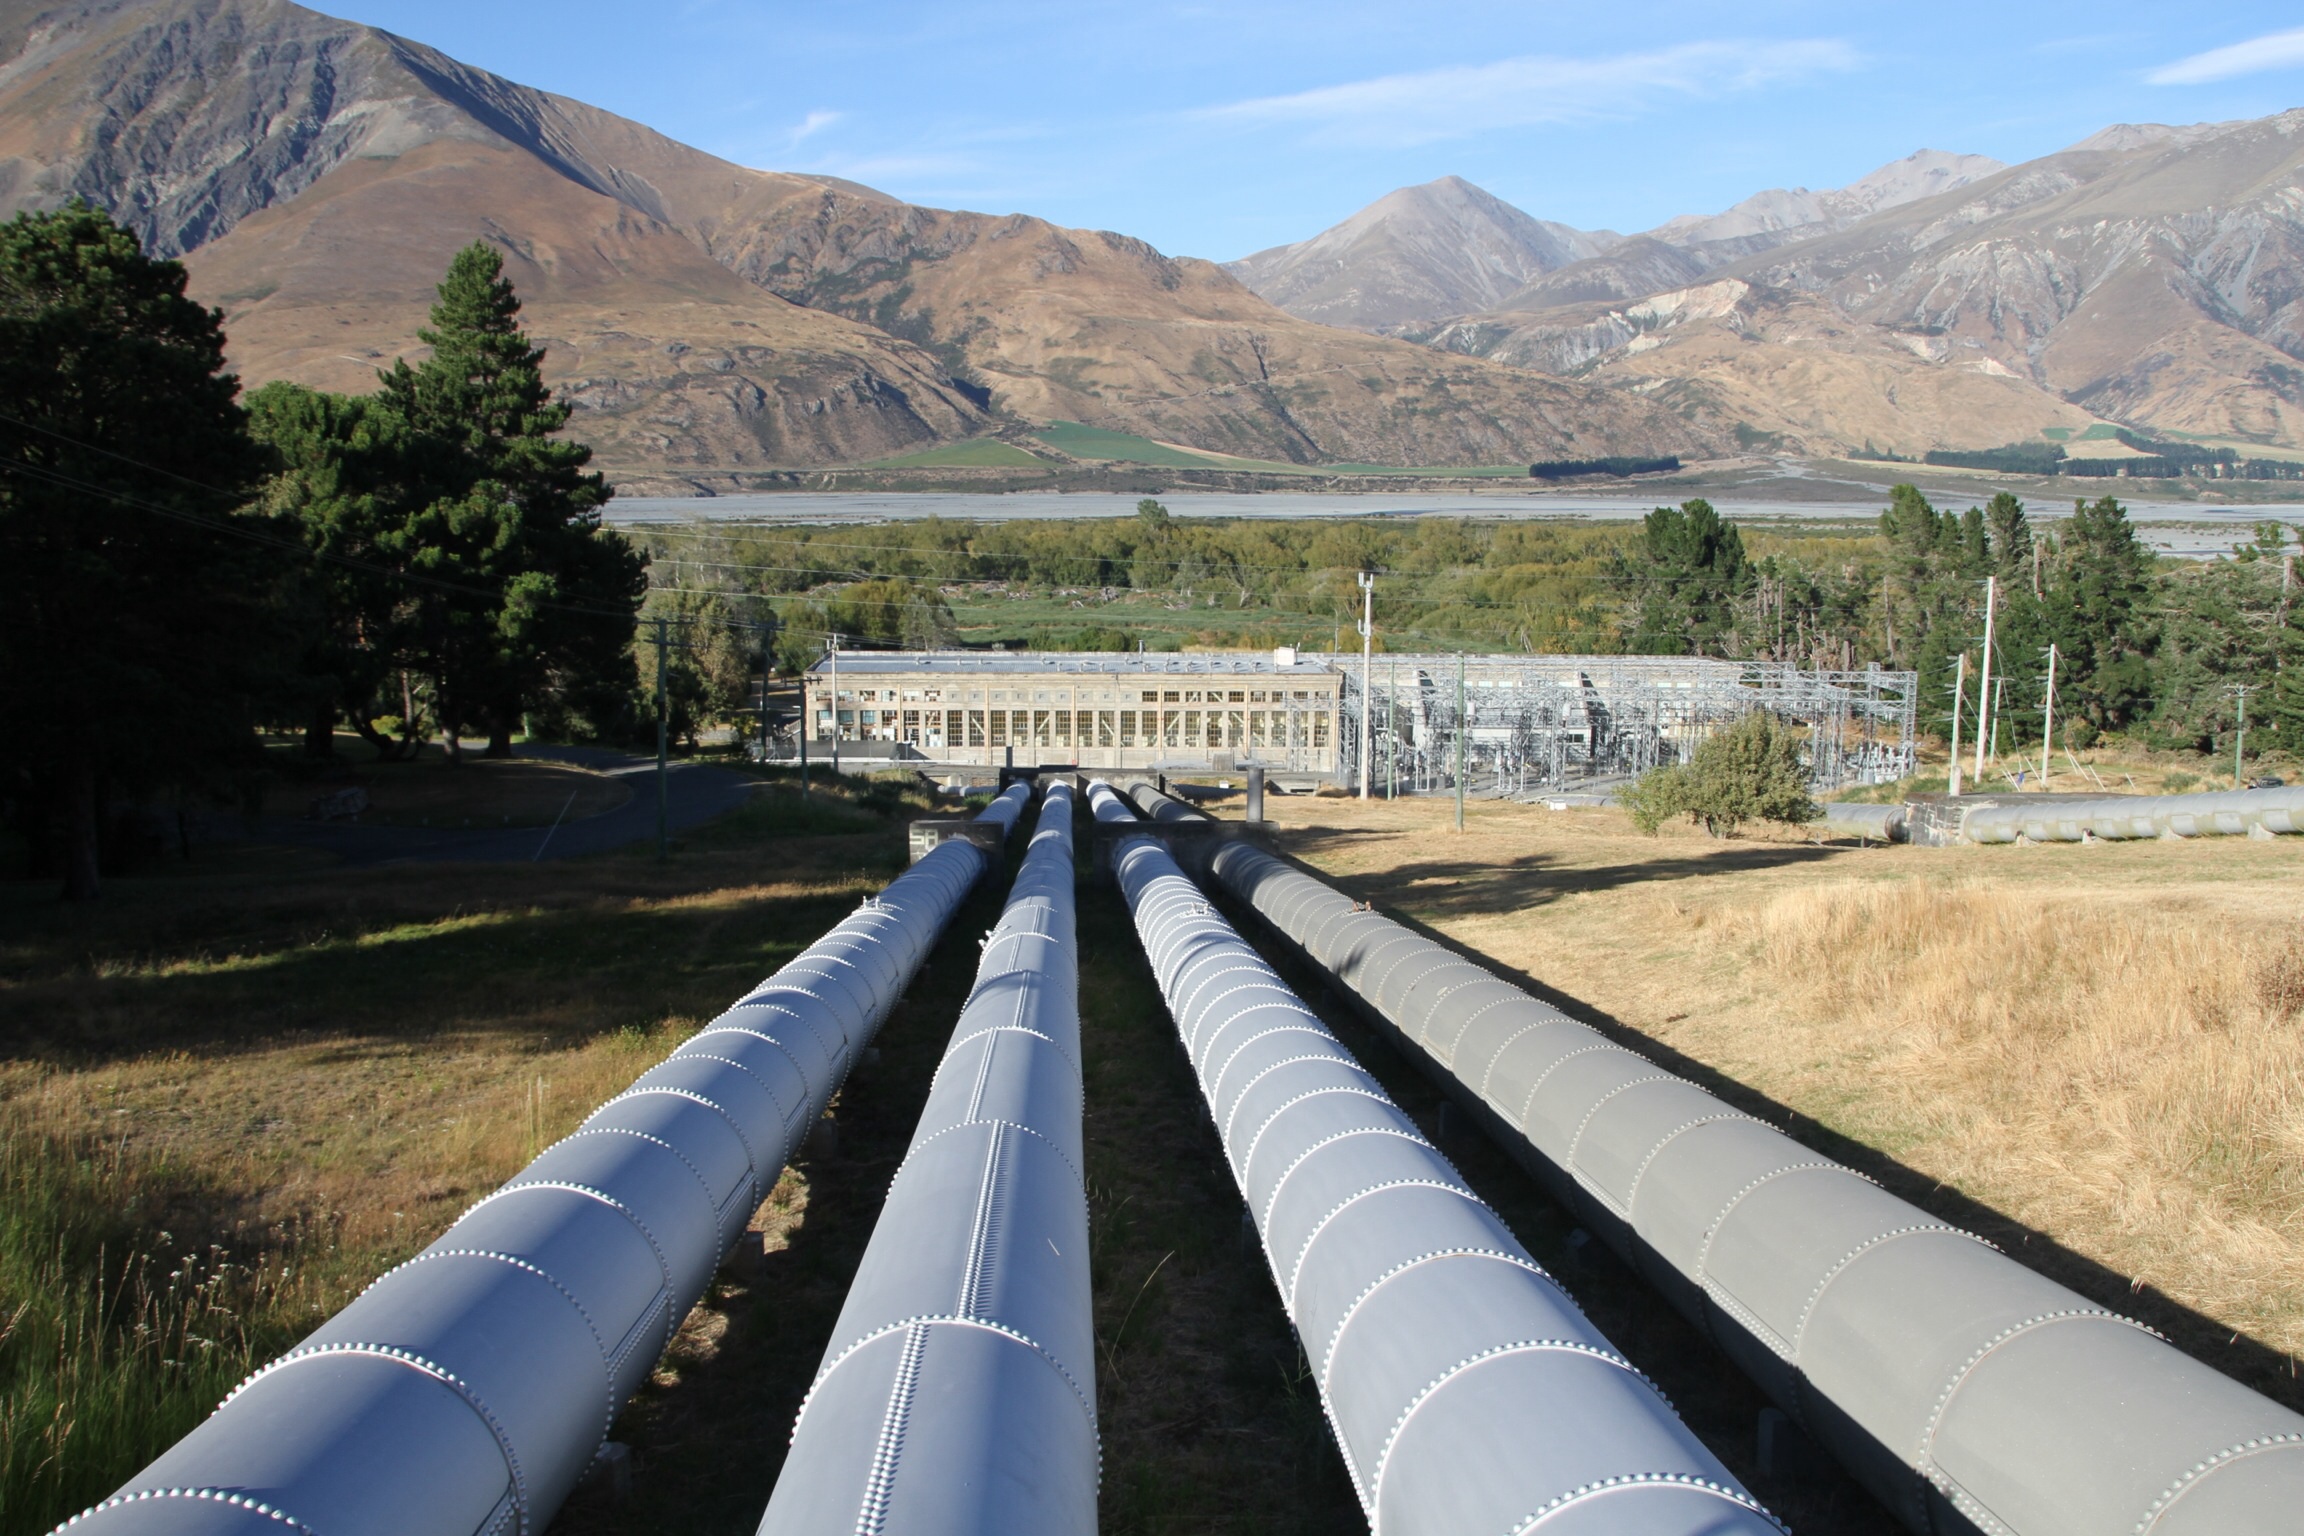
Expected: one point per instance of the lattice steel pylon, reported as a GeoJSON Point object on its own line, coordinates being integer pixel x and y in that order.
{"type": "Point", "coordinates": [1538, 724]}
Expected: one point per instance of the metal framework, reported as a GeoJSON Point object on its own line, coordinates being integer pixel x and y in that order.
{"type": "Point", "coordinates": [1534, 724]}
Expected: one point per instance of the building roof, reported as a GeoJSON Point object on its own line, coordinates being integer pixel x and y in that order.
{"type": "Point", "coordinates": [1084, 663]}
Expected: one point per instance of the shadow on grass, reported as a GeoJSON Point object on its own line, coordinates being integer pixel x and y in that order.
{"type": "Point", "coordinates": [1475, 887]}
{"type": "Point", "coordinates": [558, 952]}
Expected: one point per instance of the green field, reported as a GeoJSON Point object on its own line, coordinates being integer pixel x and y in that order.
{"type": "Point", "coordinates": [1085, 442]}
{"type": "Point", "coordinates": [975, 453]}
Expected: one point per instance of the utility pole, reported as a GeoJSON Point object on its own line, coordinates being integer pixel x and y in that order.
{"type": "Point", "coordinates": [1461, 723]}
{"type": "Point", "coordinates": [1999, 697]}
{"type": "Point", "coordinates": [1984, 684]}
{"type": "Point", "coordinates": [1959, 690]}
{"type": "Point", "coordinates": [834, 641]}
{"type": "Point", "coordinates": [663, 741]}
{"type": "Point", "coordinates": [1367, 695]}
{"type": "Point", "coordinates": [2048, 716]}
{"type": "Point", "coordinates": [768, 662]}
{"type": "Point", "coordinates": [1391, 734]}
{"type": "Point", "coordinates": [2280, 614]}
{"type": "Point", "coordinates": [2240, 708]}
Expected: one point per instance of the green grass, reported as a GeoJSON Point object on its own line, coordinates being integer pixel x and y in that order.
{"type": "Point", "coordinates": [976, 453]}
{"type": "Point", "coordinates": [1453, 472]}
{"type": "Point", "coordinates": [1083, 442]}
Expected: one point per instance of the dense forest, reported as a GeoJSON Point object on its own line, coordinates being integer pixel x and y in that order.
{"type": "Point", "coordinates": [2148, 646]}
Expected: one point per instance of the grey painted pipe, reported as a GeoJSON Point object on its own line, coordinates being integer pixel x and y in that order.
{"type": "Point", "coordinates": [2232, 813]}
{"type": "Point", "coordinates": [1880, 823]}
{"type": "Point", "coordinates": [466, 1391]}
{"type": "Point", "coordinates": [1158, 806]}
{"type": "Point", "coordinates": [1966, 1391]}
{"type": "Point", "coordinates": [1468, 1395]}
{"type": "Point", "coordinates": [958, 1395]}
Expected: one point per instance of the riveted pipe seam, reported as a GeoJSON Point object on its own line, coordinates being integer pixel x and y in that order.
{"type": "Point", "coordinates": [1698, 1197]}
{"type": "Point", "coordinates": [973, 1293]}
{"type": "Point", "coordinates": [1429, 1354]}
{"type": "Point", "coordinates": [990, 1325]}
{"type": "Point", "coordinates": [525, 1325]}
{"type": "Point", "coordinates": [225, 1496]}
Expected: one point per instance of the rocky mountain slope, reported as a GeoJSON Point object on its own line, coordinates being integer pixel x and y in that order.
{"type": "Point", "coordinates": [2149, 274]}
{"type": "Point", "coordinates": [1778, 369]}
{"type": "Point", "coordinates": [1449, 248]}
{"type": "Point", "coordinates": [1443, 248]}
{"type": "Point", "coordinates": [707, 318]}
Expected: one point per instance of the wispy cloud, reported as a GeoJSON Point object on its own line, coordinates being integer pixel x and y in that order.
{"type": "Point", "coordinates": [2274, 50]}
{"type": "Point", "coordinates": [813, 124]}
{"type": "Point", "coordinates": [1464, 100]}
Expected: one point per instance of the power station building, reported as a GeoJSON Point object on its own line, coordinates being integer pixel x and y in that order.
{"type": "Point", "coordinates": [1509, 725]}
{"type": "Point", "coordinates": [1214, 710]}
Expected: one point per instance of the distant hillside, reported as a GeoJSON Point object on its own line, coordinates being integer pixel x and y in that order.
{"type": "Point", "coordinates": [706, 318]}
{"type": "Point", "coordinates": [1439, 249]}
{"type": "Point", "coordinates": [2150, 274]}
{"type": "Point", "coordinates": [1449, 248]}
{"type": "Point", "coordinates": [1781, 370]}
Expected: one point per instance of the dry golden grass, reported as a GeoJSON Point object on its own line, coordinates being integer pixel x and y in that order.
{"type": "Point", "coordinates": [2100, 1044]}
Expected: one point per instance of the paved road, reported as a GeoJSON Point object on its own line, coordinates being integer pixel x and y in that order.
{"type": "Point", "coordinates": [697, 793]}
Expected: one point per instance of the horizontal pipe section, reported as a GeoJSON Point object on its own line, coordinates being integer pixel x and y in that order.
{"type": "Point", "coordinates": [2231, 813]}
{"type": "Point", "coordinates": [1966, 1391]}
{"type": "Point", "coordinates": [1879, 823]}
{"type": "Point", "coordinates": [466, 1390]}
{"type": "Point", "coordinates": [957, 1397]}
{"type": "Point", "coordinates": [1158, 805]}
{"type": "Point", "coordinates": [1468, 1395]}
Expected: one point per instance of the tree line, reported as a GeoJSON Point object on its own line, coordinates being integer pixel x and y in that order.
{"type": "Point", "coordinates": [2146, 646]}
{"type": "Point", "coordinates": [181, 567]}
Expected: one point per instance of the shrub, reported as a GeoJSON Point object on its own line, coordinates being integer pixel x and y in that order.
{"type": "Point", "coordinates": [1752, 771]}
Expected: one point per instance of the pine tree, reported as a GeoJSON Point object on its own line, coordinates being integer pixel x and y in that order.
{"type": "Point", "coordinates": [533, 595]}
{"type": "Point", "coordinates": [139, 627]}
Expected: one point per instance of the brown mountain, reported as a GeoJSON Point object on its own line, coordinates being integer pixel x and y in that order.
{"type": "Point", "coordinates": [1772, 366]}
{"type": "Point", "coordinates": [1443, 248]}
{"type": "Point", "coordinates": [706, 318]}
{"type": "Point", "coordinates": [2151, 274]}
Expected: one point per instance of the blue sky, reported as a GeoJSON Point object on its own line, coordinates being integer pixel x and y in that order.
{"type": "Point", "coordinates": [1218, 129]}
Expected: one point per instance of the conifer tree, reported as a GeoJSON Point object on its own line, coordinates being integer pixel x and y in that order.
{"type": "Point", "coordinates": [139, 633]}
{"type": "Point", "coordinates": [532, 595]}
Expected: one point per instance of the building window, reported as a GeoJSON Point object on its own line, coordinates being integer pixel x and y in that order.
{"type": "Point", "coordinates": [975, 727]}
{"type": "Point", "coordinates": [1063, 727]}
{"type": "Point", "coordinates": [999, 727]}
{"type": "Point", "coordinates": [1238, 697]}
{"type": "Point", "coordinates": [1127, 727]}
{"type": "Point", "coordinates": [1170, 697]}
{"type": "Point", "coordinates": [1104, 728]}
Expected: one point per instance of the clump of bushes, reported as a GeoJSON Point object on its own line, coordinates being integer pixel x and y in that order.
{"type": "Point", "coordinates": [1752, 771]}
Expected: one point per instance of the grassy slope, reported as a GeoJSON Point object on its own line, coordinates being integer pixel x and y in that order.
{"type": "Point", "coordinates": [2088, 1054]}
{"type": "Point", "coordinates": [1085, 442]}
{"type": "Point", "coordinates": [974, 453]}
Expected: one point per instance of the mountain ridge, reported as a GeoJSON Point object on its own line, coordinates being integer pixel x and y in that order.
{"type": "Point", "coordinates": [707, 319]}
